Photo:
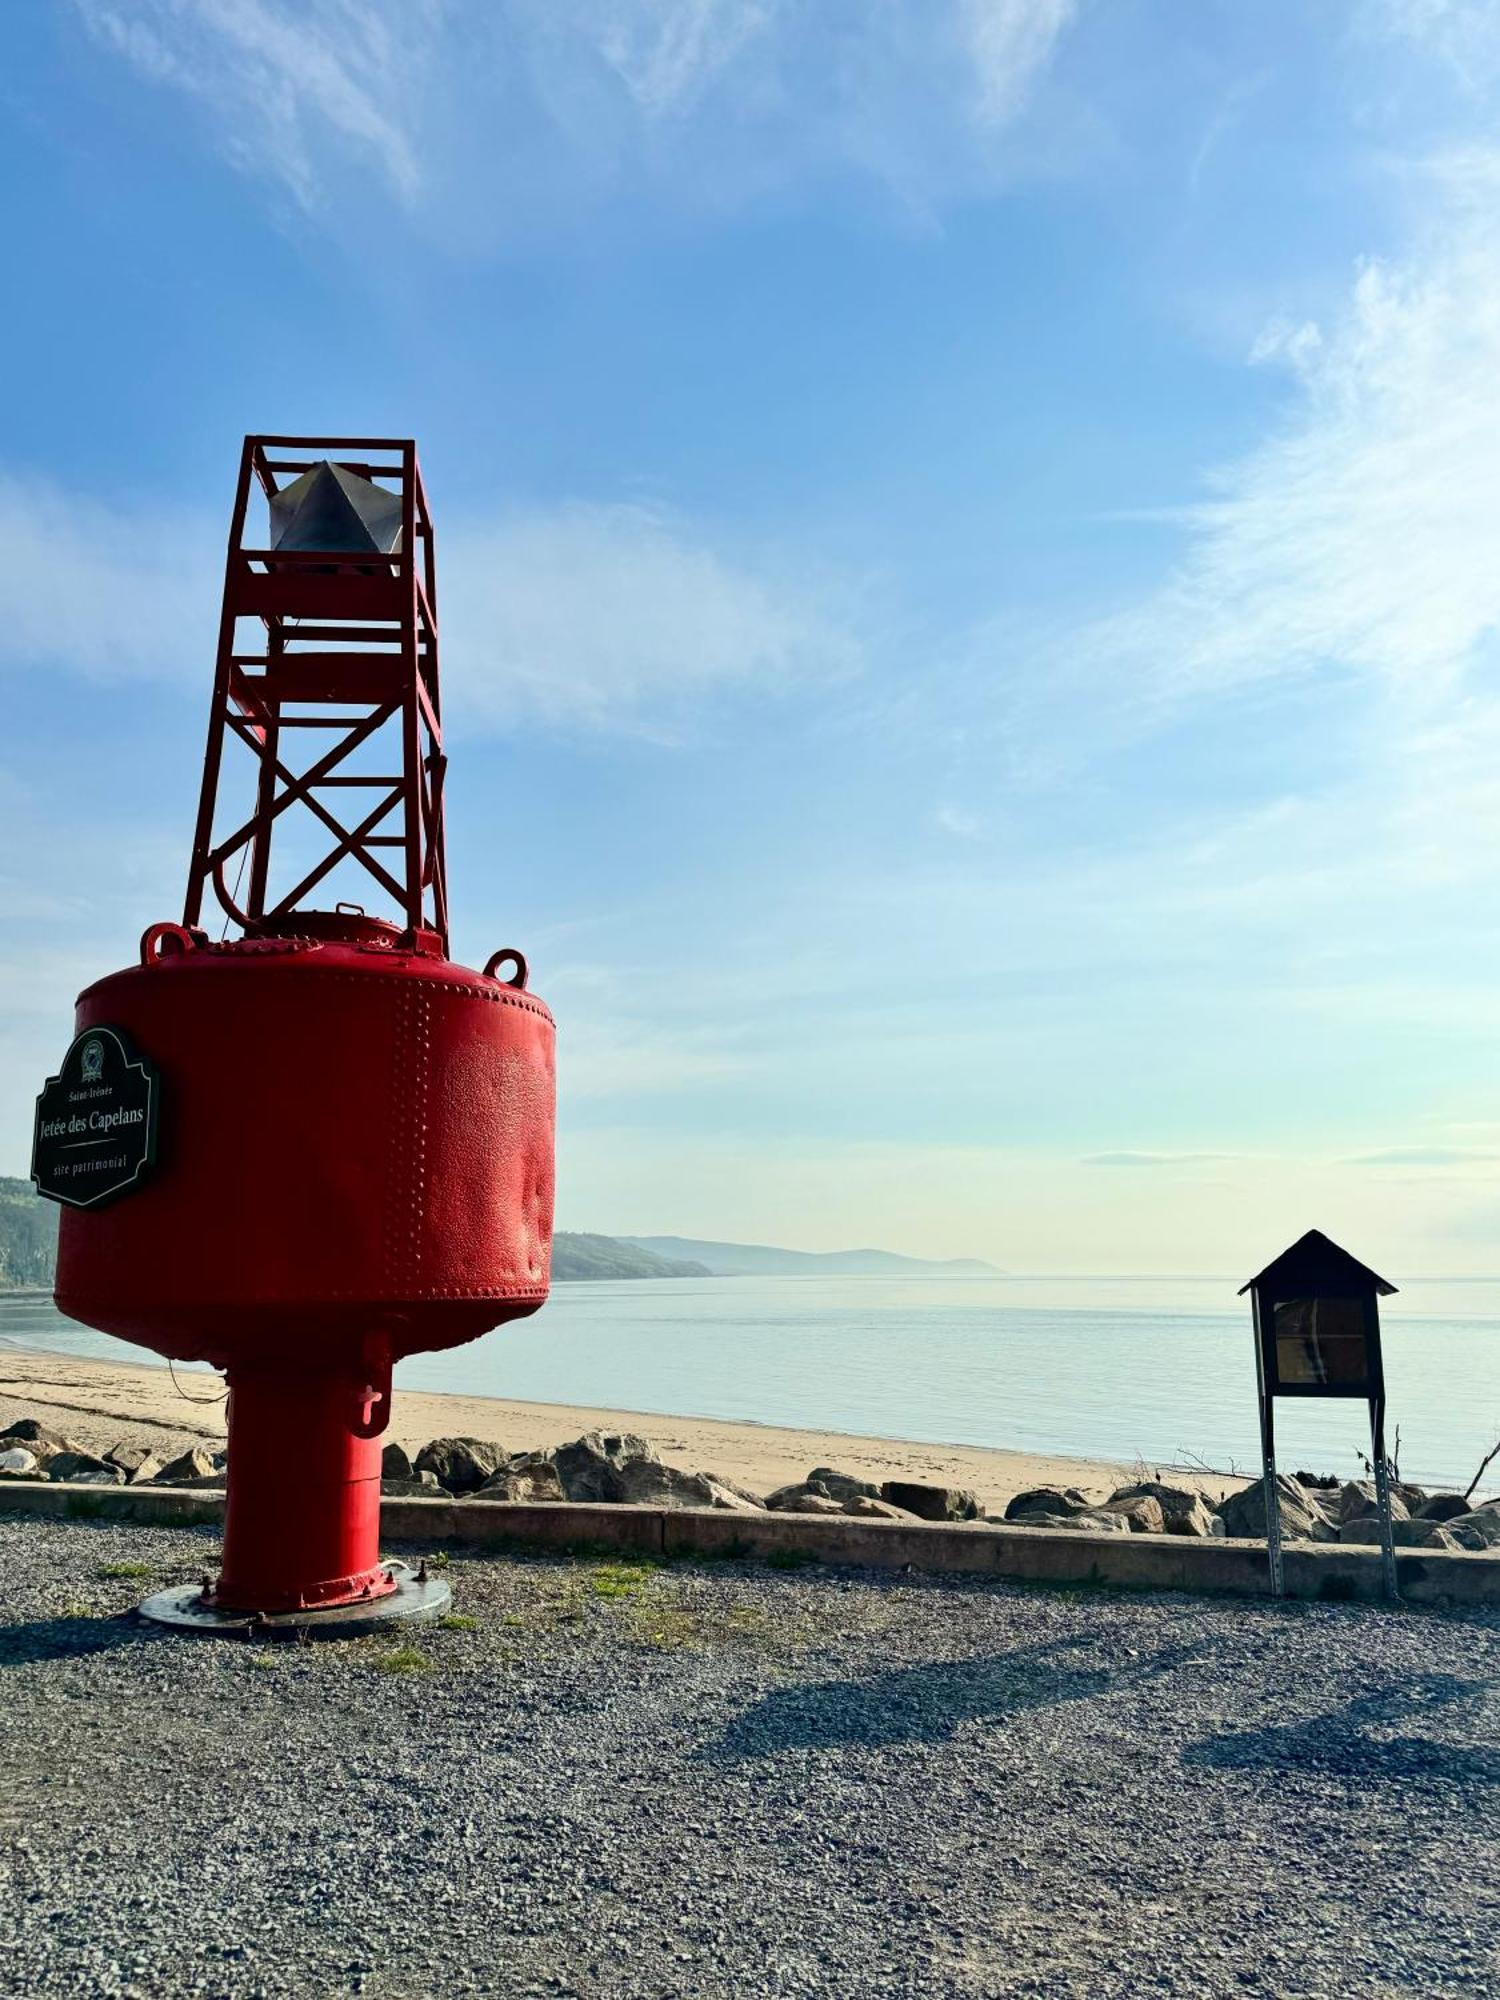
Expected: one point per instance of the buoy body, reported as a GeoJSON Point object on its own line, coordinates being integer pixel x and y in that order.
{"type": "Point", "coordinates": [354, 1140]}
{"type": "Point", "coordinates": [355, 1163]}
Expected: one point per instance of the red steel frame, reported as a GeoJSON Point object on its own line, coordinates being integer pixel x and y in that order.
{"type": "Point", "coordinates": [354, 639]}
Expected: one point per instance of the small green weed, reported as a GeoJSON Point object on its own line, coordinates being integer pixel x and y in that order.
{"type": "Point", "coordinates": [77, 1611]}
{"type": "Point", "coordinates": [458, 1621]}
{"type": "Point", "coordinates": [442, 1560]}
{"type": "Point", "coordinates": [264, 1660]}
{"type": "Point", "coordinates": [111, 1570]}
{"type": "Point", "coordinates": [616, 1580]}
{"type": "Point", "coordinates": [404, 1660]}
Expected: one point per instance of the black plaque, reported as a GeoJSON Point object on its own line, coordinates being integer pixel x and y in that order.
{"type": "Point", "coordinates": [95, 1136]}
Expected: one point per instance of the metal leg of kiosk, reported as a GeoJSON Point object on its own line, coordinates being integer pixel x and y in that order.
{"type": "Point", "coordinates": [1273, 1497]}
{"type": "Point", "coordinates": [1383, 1497]}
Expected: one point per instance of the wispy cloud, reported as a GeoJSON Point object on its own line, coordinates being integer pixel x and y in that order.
{"type": "Point", "coordinates": [532, 104]}
{"type": "Point", "coordinates": [665, 52]}
{"type": "Point", "coordinates": [286, 85]}
{"type": "Point", "coordinates": [1152, 1159]}
{"type": "Point", "coordinates": [1009, 42]}
{"type": "Point", "coordinates": [1358, 534]}
{"type": "Point", "coordinates": [1350, 550]}
{"type": "Point", "coordinates": [103, 593]}
{"type": "Point", "coordinates": [601, 617]}
{"type": "Point", "coordinates": [1423, 1156]}
{"type": "Point", "coordinates": [1463, 34]}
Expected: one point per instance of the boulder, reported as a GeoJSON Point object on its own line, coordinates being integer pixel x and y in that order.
{"type": "Point", "coordinates": [1093, 1521]}
{"type": "Point", "coordinates": [19, 1463]}
{"type": "Point", "coordinates": [137, 1461]}
{"type": "Point", "coordinates": [1318, 1482]}
{"type": "Point", "coordinates": [625, 1471]}
{"type": "Point", "coordinates": [78, 1464]}
{"type": "Point", "coordinates": [31, 1431]}
{"type": "Point", "coordinates": [1184, 1511]}
{"type": "Point", "coordinates": [1358, 1496]}
{"type": "Point", "coordinates": [1420, 1533]}
{"type": "Point", "coordinates": [1479, 1530]}
{"type": "Point", "coordinates": [1302, 1518]}
{"type": "Point", "coordinates": [1443, 1507]}
{"type": "Point", "coordinates": [784, 1499]}
{"type": "Point", "coordinates": [460, 1464]}
{"type": "Point", "coordinates": [841, 1485]}
{"type": "Point", "coordinates": [1364, 1530]}
{"type": "Point", "coordinates": [44, 1443]}
{"type": "Point", "coordinates": [527, 1482]}
{"type": "Point", "coordinates": [1440, 1538]}
{"type": "Point", "coordinates": [649, 1483]}
{"type": "Point", "coordinates": [589, 1467]}
{"type": "Point", "coordinates": [738, 1499]}
{"type": "Point", "coordinates": [193, 1464]}
{"type": "Point", "coordinates": [865, 1507]}
{"type": "Point", "coordinates": [128, 1456]}
{"type": "Point", "coordinates": [932, 1503]}
{"type": "Point", "coordinates": [395, 1463]}
{"type": "Point", "coordinates": [804, 1501]}
{"type": "Point", "coordinates": [423, 1486]}
{"type": "Point", "coordinates": [1053, 1501]}
{"type": "Point", "coordinates": [1141, 1510]}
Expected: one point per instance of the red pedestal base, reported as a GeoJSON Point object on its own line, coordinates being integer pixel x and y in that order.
{"type": "Point", "coordinates": [302, 1512]}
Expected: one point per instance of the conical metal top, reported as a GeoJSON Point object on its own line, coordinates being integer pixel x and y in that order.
{"type": "Point", "coordinates": [333, 509]}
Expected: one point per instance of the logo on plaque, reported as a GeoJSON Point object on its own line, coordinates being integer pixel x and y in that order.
{"type": "Point", "coordinates": [95, 1136]}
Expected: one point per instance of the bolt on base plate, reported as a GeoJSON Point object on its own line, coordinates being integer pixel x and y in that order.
{"type": "Point", "coordinates": [416, 1599]}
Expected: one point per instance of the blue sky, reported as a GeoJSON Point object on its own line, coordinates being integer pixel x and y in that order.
{"type": "Point", "coordinates": [967, 564]}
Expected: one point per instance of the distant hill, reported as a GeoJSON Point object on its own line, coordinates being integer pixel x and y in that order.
{"type": "Point", "coordinates": [583, 1256]}
{"type": "Point", "coordinates": [28, 1253]}
{"type": "Point", "coordinates": [28, 1235]}
{"type": "Point", "coordinates": [737, 1260]}
{"type": "Point", "coordinates": [28, 1247]}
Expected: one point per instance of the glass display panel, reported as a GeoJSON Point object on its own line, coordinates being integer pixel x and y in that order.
{"type": "Point", "coordinates": [1320, 1343]}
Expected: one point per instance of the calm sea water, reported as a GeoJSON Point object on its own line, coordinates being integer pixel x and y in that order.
{"type": "Point", "coordinates": [1120, 1368]}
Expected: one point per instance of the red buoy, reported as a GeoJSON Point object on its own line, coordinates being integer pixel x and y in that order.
{"type": "Point", "coordinates": [317, 1145]}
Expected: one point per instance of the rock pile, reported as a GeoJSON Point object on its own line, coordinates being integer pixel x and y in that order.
{"type": "Point", "coordinates": [30, 1450]}
{"type": "Point", "coordinates": [1313, 1509]}
{"type": "Point", "coordinates": [825, 1491]}
{"type": "Point", "coordinates": [612, 1469]}
{"type": "Point", "coordinates": [624, 1470]}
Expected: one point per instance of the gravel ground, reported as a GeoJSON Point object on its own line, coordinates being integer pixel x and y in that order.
{"type": "Point", "coordinates": [732, 1780]}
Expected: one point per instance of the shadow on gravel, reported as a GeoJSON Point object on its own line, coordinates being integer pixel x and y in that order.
{"type": "Point", "coordinates": [1340, 1743]}
{"type": "Point", "coordinates": [65, 1639]}
{"type": "Point", "coordinates": [928, 1704]}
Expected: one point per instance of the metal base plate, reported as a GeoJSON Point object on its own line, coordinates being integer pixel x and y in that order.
{"type": "Point", "coordinates": [411, 1602]}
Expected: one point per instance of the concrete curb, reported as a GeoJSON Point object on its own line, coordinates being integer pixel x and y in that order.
{"type": "Point", "coordinates": [1317, 1571]}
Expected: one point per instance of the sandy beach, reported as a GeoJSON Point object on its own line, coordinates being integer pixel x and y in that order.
{"type": "Point", "coordinates": [100, 1402]}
